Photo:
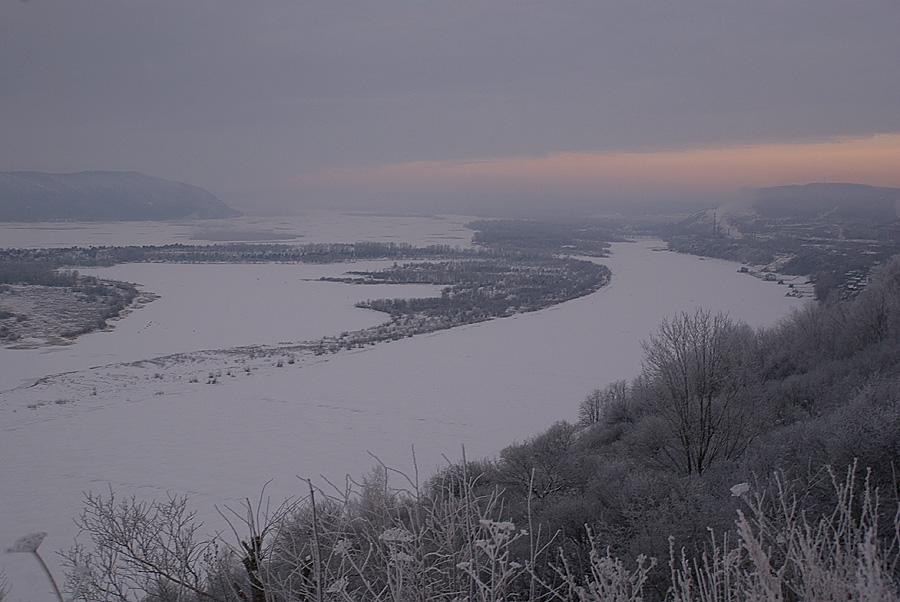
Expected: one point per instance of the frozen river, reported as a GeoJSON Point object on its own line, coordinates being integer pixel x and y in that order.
{"type": "Point", "coordinates": [481, 386]}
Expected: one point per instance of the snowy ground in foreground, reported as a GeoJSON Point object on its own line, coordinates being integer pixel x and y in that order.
{"type": "Point", "coordinates": [482, 386]}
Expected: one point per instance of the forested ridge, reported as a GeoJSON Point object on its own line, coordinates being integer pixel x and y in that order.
{"type": "Point", "coordinates": [741, 464]}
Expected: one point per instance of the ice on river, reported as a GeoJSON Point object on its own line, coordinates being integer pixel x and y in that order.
{"type": "Point", "coordinates": [150, 431]}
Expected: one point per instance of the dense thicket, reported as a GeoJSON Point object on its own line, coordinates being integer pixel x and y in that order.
{"type": "Point", "coordinates": [716, 458]}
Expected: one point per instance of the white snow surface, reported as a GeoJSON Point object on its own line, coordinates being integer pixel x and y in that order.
{"type": "Point", "coordinates": [214, 306]}
{"type": "Point", "coordinates": [105, 418]}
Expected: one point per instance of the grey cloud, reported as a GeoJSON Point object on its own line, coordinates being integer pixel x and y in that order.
{"type": "Point", "coordinates": [235, 95]}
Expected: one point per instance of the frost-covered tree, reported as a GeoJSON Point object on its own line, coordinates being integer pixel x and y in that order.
{"type": "Point", "coordinates": [696, 364]}
{"type": "Point", "coordinates": [875, 314]}
{"type": "Point", "coordinates": [601, 403]}
{"type": "Point", "coordinates": [154, 552]}
{"type": "Point", "coordinates": [546, 464]}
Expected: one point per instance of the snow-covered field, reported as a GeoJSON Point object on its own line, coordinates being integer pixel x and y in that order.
{"type": "Point", "coordinates": [152, 428]}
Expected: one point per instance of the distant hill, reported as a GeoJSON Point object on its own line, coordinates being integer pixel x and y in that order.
{"type": "Point", "coordinates": [811, 201]}
{"type": "Point", "coordinates": [30, 196]}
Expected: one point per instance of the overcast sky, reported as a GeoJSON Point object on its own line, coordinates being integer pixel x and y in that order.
{"type": "Point", "coordinates": [469, 107]}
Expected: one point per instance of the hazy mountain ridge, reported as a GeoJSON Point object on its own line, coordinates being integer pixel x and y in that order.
{"type": "Point", "coordinates": [28, 196]}
{"type": "Point", "coordinates": [834, 233]}
{"type": "Point", "coordinates": [810, 201]}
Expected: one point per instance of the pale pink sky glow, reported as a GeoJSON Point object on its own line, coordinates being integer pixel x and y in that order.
{"type": "Point", "coordinates": [709, 173]}
{"type": "Point", "coordinates": [446, 106]}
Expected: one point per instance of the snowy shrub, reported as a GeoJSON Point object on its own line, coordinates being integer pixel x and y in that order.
{"type": "Point", "coordinates": [781, 553]}
{"type": "Point", "coordinates": [378, 542]}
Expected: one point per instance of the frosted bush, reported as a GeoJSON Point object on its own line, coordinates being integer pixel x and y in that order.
{"type": "Point", "coordinates": [458, 546]}
{"type": "Point", "coordinates": [782, 554]}
{"type": "Point", "coordinates": [402, 557]}
{"type": "Point", "coordinates": [740, 489]}
{"type": "Point", "coordinates": [397, 535]}
{"type": "Point", "coordinates": [28, 544]}
{"type": "Point", "coordinates": [343, 547]}
{"type": "Point", "coordinates": [338, 587]}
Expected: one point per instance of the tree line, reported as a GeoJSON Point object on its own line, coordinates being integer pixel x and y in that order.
{"type": "Point", "coordinates": [103, 256]}
{"type": "Point", "coordinates": [575, 237]}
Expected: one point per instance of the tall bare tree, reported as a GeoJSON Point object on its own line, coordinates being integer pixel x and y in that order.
{"type": "Point", "coordinates": [696, 364]}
